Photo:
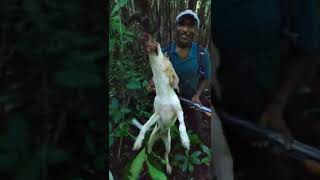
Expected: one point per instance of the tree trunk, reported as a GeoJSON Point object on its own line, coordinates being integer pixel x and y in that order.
{"type": "Point", "coordinates": [192, 4]}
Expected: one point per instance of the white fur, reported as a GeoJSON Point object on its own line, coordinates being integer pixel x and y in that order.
{"type": "Point", "coordinates": [167, 109]}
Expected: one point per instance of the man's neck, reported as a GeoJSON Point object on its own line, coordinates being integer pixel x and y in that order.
{"type": "Point", "coordinates": [183, 50]}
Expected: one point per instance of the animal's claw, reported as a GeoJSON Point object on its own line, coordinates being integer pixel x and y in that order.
{"type": "Point", "coordinates": [137, 144]}
{"type": "Point", "coordinates": [185, 140]}
{"type": "Point", "coordinates": [186, 144]}
{"type": "Point", "coordinates": [169, 169]}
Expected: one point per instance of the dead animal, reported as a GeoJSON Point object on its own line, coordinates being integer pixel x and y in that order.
{"type": "Point", "coordinates": [167, 106]}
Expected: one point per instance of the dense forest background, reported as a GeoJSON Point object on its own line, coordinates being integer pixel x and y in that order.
{"type": "Point", "coordinates": [51, 76]}
{"type": "Point", "coordinates": [128, 74]}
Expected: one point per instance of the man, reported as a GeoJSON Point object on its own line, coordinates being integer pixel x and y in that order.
{"type": "Point", "coordinates": [184, 55]}
{"type": "Point", "coordinates": [257, 83]}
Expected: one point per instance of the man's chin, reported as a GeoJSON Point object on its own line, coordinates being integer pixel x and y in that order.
{"type": "Point", "coordinates": [183, 42]}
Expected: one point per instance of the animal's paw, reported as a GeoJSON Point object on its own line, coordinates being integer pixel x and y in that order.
{"type": "Point", "coordinates": [169, 169]}
{"type": "Point", "coordinates": [137, 143]}
{"type": "Point", "coordinates": [185, 140]}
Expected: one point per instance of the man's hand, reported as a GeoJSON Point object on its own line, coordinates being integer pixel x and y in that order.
{"type": "Point", "coordinates": [196, 99]}
{"type": "Point", "coordinates": [150, 86]}
{"type": "Point", "coordinates": [273, 118]}
{"type": "Point", "coordinates": [150, 46]}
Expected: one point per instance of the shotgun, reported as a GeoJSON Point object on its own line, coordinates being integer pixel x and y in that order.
{"type": "Point", "coordinates": [293, 148]}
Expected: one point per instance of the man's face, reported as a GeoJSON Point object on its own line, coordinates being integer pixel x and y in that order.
{"type": "Point", "coordinates": [186, 29]}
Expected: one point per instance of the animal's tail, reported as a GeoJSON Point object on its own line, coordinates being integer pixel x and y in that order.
{"type": "Point", "coordinates": [136, 123]}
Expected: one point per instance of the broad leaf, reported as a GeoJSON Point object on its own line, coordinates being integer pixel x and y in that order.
{"type": "Point", "coordinates": [195, 154]}
{"type": "Point", "coordinates": [155, 173]}
{"type": "Point", "coordinates": [206, 150]}
{"type": "Point", "coordinates": [195, 160]}
{"type": "Point", "coordinates": [191, 168]}
{"type": "Point", "coordinates": [179, 157]}
{"type": "Point", "coordinates": [133, 85]}
{"type": "Point", "coordinates": [205, 160]}
{"type": "Point", "coordinates": [119, 5]}
{"type": "Point", "coordinates": [185, 166]}
{"type": "Point", "coordinates": [137, 165]}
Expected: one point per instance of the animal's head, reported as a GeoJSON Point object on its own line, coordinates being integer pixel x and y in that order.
{"type": "Point", "coordinates": [153, 48]}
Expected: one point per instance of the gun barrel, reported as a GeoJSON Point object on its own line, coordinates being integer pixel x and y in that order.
{"type": "Point", "coordinates": [296, 149]}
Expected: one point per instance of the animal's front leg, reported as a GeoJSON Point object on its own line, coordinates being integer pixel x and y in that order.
{"type": "Point", "coordinates": [182, 129]}
{"type": "Point", "coordinates": [167, 142]}
{"type": "Point", "coordinates": [153, 119]}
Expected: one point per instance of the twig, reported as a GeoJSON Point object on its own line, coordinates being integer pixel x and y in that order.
{"type": "Point", "coordinates": [120, 144]}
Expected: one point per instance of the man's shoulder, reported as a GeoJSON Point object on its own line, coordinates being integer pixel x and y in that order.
{"type": "Point", "coordinates": [168, 47]}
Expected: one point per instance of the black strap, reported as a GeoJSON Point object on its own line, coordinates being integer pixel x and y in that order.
{"type": "Point", "coordinates": [201, 60]}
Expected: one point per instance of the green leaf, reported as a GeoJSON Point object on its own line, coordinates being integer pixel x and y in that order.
{"type": "Point", "coordinates": [195, 154]}
{"type": "Point", "coordinates": [179, 157]}
{"type": "Point", "coordinates": [114, 103]}
{"type": "Point", "coordinates": [119, 5]}
{"type": "Point", "coordinates": [137, 165]}
{"type": "Point", "coordinates": [185, 166]}
{"type": "Point", "coordinates": [205, 160]}
{"type": "Point", "coordinates": [55, 155]}
{"type": "Point", "coordinates": [122, 130]}
{"type": "Point", "coordinates": [162, 161]}
{"type": "Point", "coordinates": [111, 44]}
{"type": "Point", "coordinates": [116, 116]}
{"type": "Point", "coordinates": [194, 139]}
{"type": "Point", "coordinates": [125, 110]}
{"type": "Point", "coordinates": [191, 168]}
{"type": "Point", "coordinates": [18, 131]}
{"type": "Point", "coordinates": [73, 78]}
{"type": "Point", "coordinates": [206, 150]}
{"type": "Point", "coordinates": [195, 160]}
{"type": "Point", "coordinates": [144, 83]}
{"type": "Point", "coordinates": [155, 173]}
{"type": "Point", "coordinates": [133, 85]}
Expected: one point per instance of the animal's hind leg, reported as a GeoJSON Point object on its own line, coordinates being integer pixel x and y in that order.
{"type": "Point", "coordinates": [153, 138]}
{"type": "Point", "coordinates": [153, 119]}
{"type": "Point", "coordinates": [182, 129]}
{"type": "Point", "coordinates": [167, 142]}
